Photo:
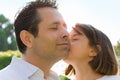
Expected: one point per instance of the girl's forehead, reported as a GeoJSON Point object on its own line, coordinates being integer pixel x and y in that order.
{"type": "Point", "coordinates": [75, 31]}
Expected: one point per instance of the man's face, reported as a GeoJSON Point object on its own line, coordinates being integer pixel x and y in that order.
{"type": "Point", "coordinates": [52, 40]}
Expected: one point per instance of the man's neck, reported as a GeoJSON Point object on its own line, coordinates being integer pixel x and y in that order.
{"type": "Point", "coordinates": [44, 65]}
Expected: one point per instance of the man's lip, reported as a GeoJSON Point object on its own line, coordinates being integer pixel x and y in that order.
{"type": "Point", "coordinates": [63, 44]}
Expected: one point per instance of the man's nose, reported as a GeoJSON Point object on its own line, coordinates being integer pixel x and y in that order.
{"type": "Point", "coordinates": [65, 35]}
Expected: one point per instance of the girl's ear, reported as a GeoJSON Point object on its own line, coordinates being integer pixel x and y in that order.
{"type": "Point", "coordinates": [26, 38]}
{"type": "Point", "coordinates": [93, 52]}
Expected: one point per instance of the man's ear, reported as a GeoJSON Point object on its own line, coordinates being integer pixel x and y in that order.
{"type": "Point", "coordinates": [26, 38]}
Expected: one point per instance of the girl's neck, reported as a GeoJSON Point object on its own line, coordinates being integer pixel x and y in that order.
{"type": "Point", "coordinates": [84, 72]}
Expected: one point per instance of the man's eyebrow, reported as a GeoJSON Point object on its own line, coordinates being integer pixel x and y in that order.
{"type": "Point", "coordinates": [59, 23]}
{"type": "Point", "coordinates": [56, 22]}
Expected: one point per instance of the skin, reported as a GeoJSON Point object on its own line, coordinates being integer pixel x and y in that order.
{"type": "Point", "coordinates": [51, 44]}
{"type": "Point", "coordinates": [79, 56]}
{"type": "Point", "coordinates": [79, 50]}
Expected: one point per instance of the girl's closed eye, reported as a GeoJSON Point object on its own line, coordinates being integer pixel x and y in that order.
{"type": "Point", "coordinates": [75, 37]}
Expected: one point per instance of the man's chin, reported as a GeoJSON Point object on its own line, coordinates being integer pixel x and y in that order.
{"type": "Point", "coordinates": [65, 58]}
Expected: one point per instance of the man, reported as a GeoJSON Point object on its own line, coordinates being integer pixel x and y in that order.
{"type": "Point", "coordinates": [42, 39]}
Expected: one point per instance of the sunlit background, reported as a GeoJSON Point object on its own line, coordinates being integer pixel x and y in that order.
{"type": "Point", "coordinates": [102, 14]}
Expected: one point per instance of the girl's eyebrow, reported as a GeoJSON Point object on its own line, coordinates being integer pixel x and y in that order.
{"type": "Point", "coordinates": [75, 35]}
{"type": "Point", "coordinates": [78, 32]}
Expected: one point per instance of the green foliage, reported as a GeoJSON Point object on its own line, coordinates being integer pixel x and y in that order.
{"type": "Point", "coordinates": [6, 32]}
{"type": "Point", "coordinates": [2, 20]}
{"type": "Point", "coordinates": [63, 77]}
{"type": "Point", "coordinates": [3, 40]}
{"type": "Point", "coordinates": [117, 48]}
{"type": "Point", "coordinates": [5, 57]}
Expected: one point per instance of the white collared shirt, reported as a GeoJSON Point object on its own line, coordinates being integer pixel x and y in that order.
{"type": "Point", "coordinates": [22, 70]}
{"type": "Point", "coordinates": [109, 77]}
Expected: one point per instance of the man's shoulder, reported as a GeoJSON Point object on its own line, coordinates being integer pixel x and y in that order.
{"type": "Point", "coordinates": [7, 70]}
{"type": "Point", "coordinates": [5, 73]}
{"type": "Point", "coordinates": [10, 72]}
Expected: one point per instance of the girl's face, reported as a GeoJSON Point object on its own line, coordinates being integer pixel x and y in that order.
{"type": "Point", "coordinates": [80, 50]}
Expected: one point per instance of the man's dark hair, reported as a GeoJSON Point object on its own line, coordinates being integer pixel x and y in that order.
{"type": "Point", "coordinates": [28, 19]}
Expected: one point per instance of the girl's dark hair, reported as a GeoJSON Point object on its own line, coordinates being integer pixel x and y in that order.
{"type": "Point", "coordinates": [104, 62]}
{"type": "Point", "coordinates": [29, 18]}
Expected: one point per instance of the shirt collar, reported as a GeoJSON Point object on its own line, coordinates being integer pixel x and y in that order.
{"type": "Point", "coordinates": [25, 67]}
